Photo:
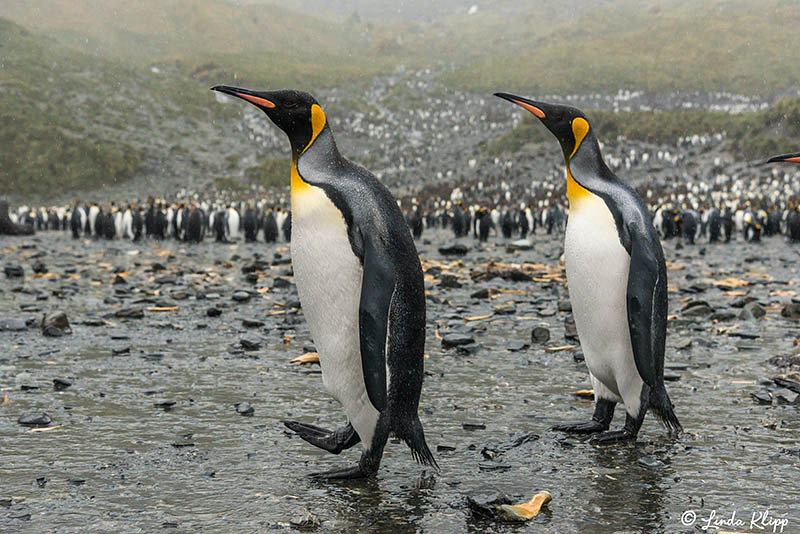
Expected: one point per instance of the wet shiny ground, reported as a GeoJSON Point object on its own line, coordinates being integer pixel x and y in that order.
{"type": "Point", "coordinates": [122, 461]}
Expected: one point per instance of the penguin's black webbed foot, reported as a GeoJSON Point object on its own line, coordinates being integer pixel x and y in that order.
{"type": "Point", "coordinates": [348, 473]}
{"type": "Point", "coordinates": [607, 438]}
{"type": "Point", "coordinates": [589, 427]}
{"type": "Point", "coordinates": [333, 441]}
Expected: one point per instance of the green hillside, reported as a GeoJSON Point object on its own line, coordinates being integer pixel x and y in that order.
{"type": "Point", "coordinates": [42, 148]}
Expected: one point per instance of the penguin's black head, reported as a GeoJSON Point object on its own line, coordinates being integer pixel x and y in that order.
{"type": "Point", "coordinates": [568, 124]}
{"type": "Point", "coordinates": [295, 112]}
{"type": "Point", "coordinates": [792, 158]}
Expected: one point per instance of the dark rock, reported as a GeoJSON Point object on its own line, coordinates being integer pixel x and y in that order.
{"type": "Point", "coordinates": [515, 275]}
{"type": "Point", "coordinates": [578, 356]}
{"type": "Point", "coordinates": [786, 396]}
{"type": "Point", "coordinates": [39, 267]}
{"type": "Point", "coordinates": [119, 281]}
{"type": "Point", "coordinates": [791, 311]}
{"type": "Point", "coordinates": [480, 294]}
{"type": "Point", "coordinates": [121, 350]}
{"type": "Point", "coordinates": [723, 315]}
{"type": "Point", "coordinates": [473, 426]}
{"type": "Point", "coordinates": [449, 281]}
{"type": "Point", "coordinates": [244, 408]}
{"type": "Point", "coordinates": [455, 249]}
{"type": "Point", "coordinates": [252, 323]}
{"type": "Point", "coordinates": [762, 397]}
{"type": "Point", "coordinates": [570, 330]}
{"type": "Point", "coordinates": [468, 350]}
{"type": "Point", "coordinates": [213, 312]}
{"type": "Point", "coordinates": [564, 306]}
{"type": "Point", "coordinates": [41, 482]}
{"type": "Point", "coordinates": [279, 283]}
{"type": "Point", "coordinates": [752, 310]}
{"type": "Point", "coordinates": [57, 323]}
{"type": "Point", "coordinates": [455, 340]}
{"type": "Point", "coordinates": [52, 331]}
{"type": "Point", "coordinates": [37, 419]}
{"type": "Point", "coordinates": [241, 296]}
{"type": "Point", "coordinates": [697, 308]}
{"type": "Point", "coordinates": [505, 309]}
{"type": "Point", "coordinates": [134, 312]}
{"type": "Point", "coordinates": [788, 384]}
{"type": "Point", "coordinates": [445, 448]}
{"type": "Point", "coordinates": [61, 384]}
{"type": "Point", "coordinates": [250, 343]}
{"type": "Point", "coordinates": [251, 278]}
{"type": "Point", "coordinates": [76, 481]}
{"type": "Point", "coordinates": [540, 335]}
{"type": "Point", "coordinates": [14, 271]}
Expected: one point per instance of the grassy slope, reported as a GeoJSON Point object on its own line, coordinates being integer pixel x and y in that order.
{"type": "Point", "coordinates": [40, 148]}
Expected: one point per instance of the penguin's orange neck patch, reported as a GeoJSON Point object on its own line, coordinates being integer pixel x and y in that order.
{"type": "Point", "coordinates": [318, 121]}
{"type": "Point", "coordinates": [576, 193]}
{"type": "Point", "coordinates": [298, 184]}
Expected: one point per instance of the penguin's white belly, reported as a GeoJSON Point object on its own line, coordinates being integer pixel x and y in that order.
{"type": "Point", "coordinates": [328, 277]}
{"type": "Point", "coordinates": [597, 268]}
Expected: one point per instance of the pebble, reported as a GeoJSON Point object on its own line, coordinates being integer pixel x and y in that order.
{"type": "Point", "coordinates": [61, 384]}
{"type": "Point", "coordinates": [516, 346]}
{"type": "Point", "coordinates": [752, 310]}
{"type": "Point", "coordinates": [279, 283]}
{"type": "Point", "coordinates": [762, 397]}
{"type": "Point", "coordinates": [252, 323]}
{"type": "Point", "coordinates": [650, 462]}
{"type": "Point", "coordinates": [57, 320]}
{"type": "Point", "coordinates": [213, 312]}
{"type": "Point", "coordinates": [250, 343]}
{"type": "Point", "coordinates": [480, 294]}
{"type": "Point", "coordinates": [449, 281]}
{"type": "Point", "coordinates": [455, 340]}
{"type": "Point", "coordinates": [14, 271]}
{"type": "Point", "coordinates": [697, 308]}
{"type": "Point", "coordinates": [791, 311]}
{"type": "Point", "coordinates": [455, 249]}
{"type": "Point", "coordinates": [540, 335]}
{"type": "Point", "coordinates": [305, 520]}
{"type": "Point", "coordinates": [34, 419]}
{"type": "Point", "coordinates": [241, 296]}
{"type": "Point", "coordinates": [39, 267]}
{"type": "Point", "coordinates": [135, 312]}
{"type": "Point", "coordinates": [244, 408]}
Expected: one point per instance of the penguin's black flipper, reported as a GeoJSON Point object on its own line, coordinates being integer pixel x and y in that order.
{"type": "Point", "coordinates": [377, 287]}
{"type": "Point", "coordinates": [645, 283]}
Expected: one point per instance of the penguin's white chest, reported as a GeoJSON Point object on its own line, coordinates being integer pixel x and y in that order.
{"type": "Point", "coordinates": [597, 268]}
{"type": "Point", "coordinates": [328, 277]}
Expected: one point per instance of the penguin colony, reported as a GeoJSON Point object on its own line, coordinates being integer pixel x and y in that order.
{"type": "Point", "coordinates": [360, 281]}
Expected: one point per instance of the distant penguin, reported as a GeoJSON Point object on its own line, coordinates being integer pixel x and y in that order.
{"type": "Point", "coordinates": [232, 221]}
{"type": "Point", "coordinates": [218, 226]}
{"type": "Point", "coordinates": [270, 227]}
{"type": "Point", "coordinates": [250, 224]}
{"type": "Point", "coordinates": [360, 283]}
{"type": "Point", "coordinates": [617, 281]}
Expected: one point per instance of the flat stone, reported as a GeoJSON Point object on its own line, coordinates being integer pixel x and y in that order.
{"type": "Point", "coordinates": [13, 271]}
{"type": "Point", "coordinates": [449, 281]}
{"type": "Point", "coordinates": [516, 346]}
{"type": "Point", "coordinates": [762, 397]}
{"type": "Point", "coordinates": [244, 408]}
{"type": "Point", "coordinates": [130, 313]}
{"type": "Point", "coordinates": [455, 340]}
{"type": "Point", "coordinates": [454, 249]}
{"type": "Point", "coordinates": [241, 296]}
{"type": "Point", "coordinates": [250, 343]}
{"type": "Point", "coordinates": [36, 419]}
{"type": "Point", "coordinates": [213, 312]}
{"type": "Point", "coordinates": [480, 294]}
{"type": "Point", "coordinates": [11, 324]}
{"type": "Point", "coordinates": [61, 384]}
{"type": "Point", "coordinates": [252, 323]}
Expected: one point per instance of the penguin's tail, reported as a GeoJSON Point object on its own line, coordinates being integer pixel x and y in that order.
{"type": "Point", "coordinates": [665, 410]}
{"type": "Point", "coordinates": [411, 432]}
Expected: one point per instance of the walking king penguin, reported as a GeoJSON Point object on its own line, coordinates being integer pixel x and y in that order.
{"type": "Point", "coordinates": [617, 281]}
{"type": "Point", "coordinates": [360, 284]}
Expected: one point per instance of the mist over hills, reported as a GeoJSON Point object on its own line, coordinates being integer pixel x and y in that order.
{"type": "Point", "coordinates": [117, 93]}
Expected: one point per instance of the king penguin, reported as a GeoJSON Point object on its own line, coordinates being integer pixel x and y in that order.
{"type": "Point", "coordinates": [360, 284]}
{"type": "Point", "coordinates": [617, 281]}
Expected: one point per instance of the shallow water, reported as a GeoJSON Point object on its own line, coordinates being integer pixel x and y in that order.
{"type": "Point", "coordinates": [201, 467]}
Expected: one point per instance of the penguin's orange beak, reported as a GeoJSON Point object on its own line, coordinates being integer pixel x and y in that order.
{"type": "Point", "coordinates": [524, 103]}
{"type": "Point", "coordinates": [245, 94]}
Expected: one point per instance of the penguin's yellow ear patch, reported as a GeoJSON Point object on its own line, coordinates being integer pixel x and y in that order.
{"type": "Point", "coordinates": [579, 129]}
{"type": "Point", "coordinates": [318, 121]}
